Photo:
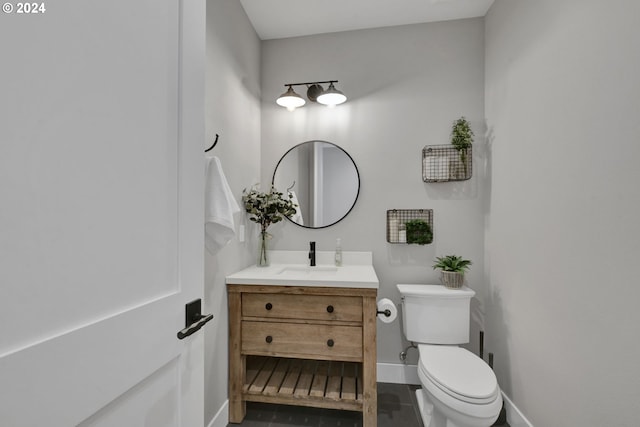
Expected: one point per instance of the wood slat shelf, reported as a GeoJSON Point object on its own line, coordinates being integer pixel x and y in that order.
{"type": "Point", "coordinates": [320, 384]}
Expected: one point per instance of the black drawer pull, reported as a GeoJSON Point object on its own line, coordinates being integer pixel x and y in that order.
{"type": "Point", "coordinates": [269, 339]}
{"type": "Point", "coordinates": [330, 309]}
{"type": "Point", "coordinates": [330, 343]}
{"type": "Point", "coordinates": [269, 306]}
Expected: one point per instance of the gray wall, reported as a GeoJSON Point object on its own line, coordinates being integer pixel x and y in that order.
{"type": "Point", "coordinates": [233, 111]}
{"type": "Point", "coordinates": [562, 103]}
{"type": "Point", "coordinates": [405, 85]}
{"type": "Point", "coordinates": [554, 185]}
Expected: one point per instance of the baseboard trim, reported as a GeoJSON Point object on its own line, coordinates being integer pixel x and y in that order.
{"type": "Point", "coordinates": [397, 373]}
{"type": "Point", "coordinates": [221, 419]}
{"type": "Point", "coordinates": [408, 374]}
{"type": "Point", "coordinates": [515, 418]}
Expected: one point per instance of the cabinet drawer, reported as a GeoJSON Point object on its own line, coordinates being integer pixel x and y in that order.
{"type": "Point", "coordinates": [311, 307]}
{"type": "Point", "coordinates": [302, 340]}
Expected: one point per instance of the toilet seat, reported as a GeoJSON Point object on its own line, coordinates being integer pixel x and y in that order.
{"type": "Point", "coordinates": [458, 373]}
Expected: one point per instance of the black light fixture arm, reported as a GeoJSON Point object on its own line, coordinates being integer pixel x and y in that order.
{"type": "Point", "coordinates": [309, 83]}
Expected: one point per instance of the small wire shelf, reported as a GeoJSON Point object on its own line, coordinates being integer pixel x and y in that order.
{"type": "Point", "coordinates": [410, 226]}
{"type": "Point", "coordinates": [443, 163]}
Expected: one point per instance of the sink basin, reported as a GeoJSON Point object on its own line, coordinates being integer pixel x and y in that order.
{"type": "Point", "coordinates": [307, 270]}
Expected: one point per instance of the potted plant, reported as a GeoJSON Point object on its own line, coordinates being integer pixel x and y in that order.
{"type": "Point", "coordinates": [453, 268]}
{"type": "Point", "coordinates": [419, 232]}
{"type": "Point", "coordinates": [461, 139]}
{"type": "Point", "coordinates": [266, 208]}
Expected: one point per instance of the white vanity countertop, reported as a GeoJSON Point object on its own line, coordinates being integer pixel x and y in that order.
{"type": "Point", "coordinates": [291, 268]}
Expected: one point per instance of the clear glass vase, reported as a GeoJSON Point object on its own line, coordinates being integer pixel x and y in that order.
{"type": "Point", "coordinates": [263, 253]}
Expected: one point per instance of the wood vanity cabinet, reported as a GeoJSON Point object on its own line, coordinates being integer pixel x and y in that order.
{"type": "Point", "coordinates": [306, 346]}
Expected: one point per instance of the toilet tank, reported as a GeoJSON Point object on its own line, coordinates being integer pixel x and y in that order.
{"type": "Point", "coordinates": [433, 314]}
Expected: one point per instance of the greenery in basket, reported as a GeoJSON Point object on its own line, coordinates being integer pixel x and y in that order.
{"type": "Point", "coordinates": [461, 139]}
{"type": "Point", "coordinates": [452, 263]}
{"type": "Point", "coordinates": [419, 232]}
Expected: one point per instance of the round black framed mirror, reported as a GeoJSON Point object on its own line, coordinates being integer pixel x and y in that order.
{"type": "Point", "coordinates": [323, 180]}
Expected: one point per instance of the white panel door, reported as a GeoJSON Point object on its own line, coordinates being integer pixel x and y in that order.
{"type": "Point", "coordinates": [101, 187]}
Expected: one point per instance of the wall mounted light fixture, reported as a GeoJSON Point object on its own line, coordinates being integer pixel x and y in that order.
{"type": "Point", "coordinates": [315, 93]}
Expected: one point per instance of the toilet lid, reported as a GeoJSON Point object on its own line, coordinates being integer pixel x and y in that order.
{"type": "Point", "coordinates": [458, 372]}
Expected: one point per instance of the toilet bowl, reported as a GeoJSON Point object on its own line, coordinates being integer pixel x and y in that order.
{"type": "Point", "coordinates": [458, 388]}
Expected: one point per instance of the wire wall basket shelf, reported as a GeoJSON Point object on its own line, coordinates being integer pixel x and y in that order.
{"type": "Point", "coordinates": [443, 163]}
{"type": "Point", "coordinates": [410, 226]}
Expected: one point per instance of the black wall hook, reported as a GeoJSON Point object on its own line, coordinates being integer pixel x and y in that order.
{"type": "Point", "coordinates": [214, 144]}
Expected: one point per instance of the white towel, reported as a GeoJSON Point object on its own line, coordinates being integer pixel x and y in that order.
{"type": "Point", "coordinates": [296, 217]}
{"type": "Point", "coordinates": [220, 205]}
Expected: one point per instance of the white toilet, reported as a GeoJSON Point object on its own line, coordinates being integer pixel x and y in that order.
{"type": "Point", "coordinates": [458, 388]}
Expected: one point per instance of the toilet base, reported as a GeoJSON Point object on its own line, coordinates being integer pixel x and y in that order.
{"type": "Point", "coordinates": [434, 416]}
{"type": "Point", "coordinates": [430, 417]}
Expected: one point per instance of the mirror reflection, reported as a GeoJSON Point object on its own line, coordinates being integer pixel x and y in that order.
{"type": "Point", "coordinates": [323, 180]}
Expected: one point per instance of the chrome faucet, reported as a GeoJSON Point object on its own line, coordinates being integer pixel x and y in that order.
{"type": "Point", "coordinates": [312, 254]}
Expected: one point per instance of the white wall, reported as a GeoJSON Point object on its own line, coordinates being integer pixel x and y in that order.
{"type": "Point", "coordinates": [232, 111]}
{"type": "Point", "coordinates": [563, 237]}
{"type": "Point", "coordinates": [405, 85]}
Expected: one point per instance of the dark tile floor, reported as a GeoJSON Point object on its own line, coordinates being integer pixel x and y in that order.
{"type": "Point", "coordinates": [397, 406]}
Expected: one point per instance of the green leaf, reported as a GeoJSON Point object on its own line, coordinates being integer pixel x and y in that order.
{"type": "Point", "coordinates": [267, 208]}
{"type": "Point", "coordinates": [452, 263]}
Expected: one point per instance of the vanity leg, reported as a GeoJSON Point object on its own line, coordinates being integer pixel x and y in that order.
{"type": "Point", "coordinates": [369, 365]}
{"type": "Point", "coordinates": [237, 362]}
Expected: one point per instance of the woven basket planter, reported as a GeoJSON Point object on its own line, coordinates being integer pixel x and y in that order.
{"type": "Point", "coordinates": [452, 279]}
